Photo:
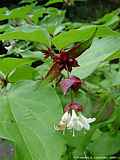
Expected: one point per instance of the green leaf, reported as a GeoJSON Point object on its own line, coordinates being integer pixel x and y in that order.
{"type": "Point", "coordinates": [27, 117]}
{"type": "Point", "coordinates": [52, 20]}
{"type": "Point", "coordinates": [9, 64]}
{"type": "Point", "coordinates": [111, 19]}
{"type": "Point", "coordinates": [28, 33]}
{"type": "Point", "coordinates": [116, 79]}
{"type": "Point", "coordinates": [53, 1]}
{"type": "Point", "coordinates": [103, 31]}
{"type": "Point", "coordinates": [35, 55]}
{"type": "Point", "coordinates": [75, 35]}
{"type": "Point", "coordinates": [105, 144]}
{"type": "Point", "coordinates": [20, 13]}
{"type": "Point", "coordinates": [23, 72]}
{"type": "Point", "coordinates": [100, 50]}
{"type": "Point", "coordinates": [37, 13]}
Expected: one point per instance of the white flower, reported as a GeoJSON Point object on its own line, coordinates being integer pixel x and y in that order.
{"type": "Point", "coordinates": [66, 117]}
{"type": "Point", "coordinates": [77, 123]}
{"type": "Point", "coordinates": [74, 123]}
{"type": "Point", "coordinates": [63, 122]}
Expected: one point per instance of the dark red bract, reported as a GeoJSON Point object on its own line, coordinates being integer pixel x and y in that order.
{"type": "Point", "coordinates": [73, 82]}
{"type": "Point", "coordinates": [48, 53]}
{"type": "Point", "coordinates": [76, 82]}
{"type": "Point", "coordinates": [74, 51]}
{"type": "Point", "coordinates": [65, 61]}
{"type": "Point", "coordinates": [73, 105]}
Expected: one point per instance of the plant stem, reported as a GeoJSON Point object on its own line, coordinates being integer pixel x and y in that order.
{"type": "Point", "coordinates": [71, 93]}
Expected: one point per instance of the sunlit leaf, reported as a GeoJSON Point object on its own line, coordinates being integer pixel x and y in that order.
{"type": "Point", "coordinates": [96, 54]}
{"type": "Point", "coordinates": [28, 33]}
{"type": "Point", "coordinates": [75, 35]}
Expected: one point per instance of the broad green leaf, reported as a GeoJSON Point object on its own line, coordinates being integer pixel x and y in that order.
{"type": "Point", "coordinates": [114, 56]}
{"type": "Point", "coordinates": [52, 20]}
{"type": "Point", "coordinates": [27, 117]}
{"type": "Point", "coordinates": [54, 16]}
{"type": "Point", "coordinates": [105, 144]}
{"type": "Point", "coordinates": [75, 35]}
{"type": "Point", "coordinates": [103, 31]}
{"type": "Point", "coordinates": [28, 33]}
{"type": "Point", "coordinates": [3, 10]}
{"type": "Point", "coordinates": [9, 64]}
{"type": "Point", "coordinates": [4, 28]}
{"type": "Point", "coordinates": [23, 72]}
{"type": "Point", "coordinates": [111, 19]}
{"type": "Point", "coordinates": [20, 13]}
{"type": "Point", "coordinates": [26, 1]}
{"type": "Point", "coordinates": [116, 79]}
{"type": "Point", "coordinates": [35, 55]}
{"type": "Point", "coordinates": [100, 50]}
{"type": "Point", "coordinates": [37, 13]}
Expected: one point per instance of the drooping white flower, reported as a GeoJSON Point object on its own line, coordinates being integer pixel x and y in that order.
{"type": "Point", "coordinates": [74, 123]}
{"type": "Point", "coordinates": [63, 122]}
{"type": "Point", "coordinates": [79, 122]}
{"type": "Point", "coordinates": [71, 120]}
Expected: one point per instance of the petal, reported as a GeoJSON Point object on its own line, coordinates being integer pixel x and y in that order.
{"type": "Point", "coordinates": [84, 121]}
{"type": "Point", "coordinates": [86, 126]}
{"type": "Point", "coordinates": [70, 125]}
{"type": "Point", "coordinates": [82, 118]}
{"type": "Point", "coordinates": [79, 126]}
{"type": "Point", "coordinates": [90, 120]}
{"type": "Point", "coordinates": [66, 117]}
{"type": "Point", "coordinates": [74, 115]}
{"type": "Point", "coordinates": [74, 122]}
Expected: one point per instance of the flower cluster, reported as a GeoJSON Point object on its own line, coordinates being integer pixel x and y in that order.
{"type": "Point", "coordinates": [62, 60]}
{"type": "Point", "coordinates": [73, 119]}
{"type": "Point", "coordinates": [65, 61]}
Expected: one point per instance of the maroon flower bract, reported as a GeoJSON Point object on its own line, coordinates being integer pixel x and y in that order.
{"type": "Point", "coordinates": [65, 61]}
{"type": "Point", "coordinates": [73, 106]}
{"type": "Point", "coordinates": [48, 53]}
{"type": "Point", "coordinates": [72, 82]}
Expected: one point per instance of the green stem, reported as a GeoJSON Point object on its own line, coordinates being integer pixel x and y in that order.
{"type": "Point", "coordinates": [71, 93]}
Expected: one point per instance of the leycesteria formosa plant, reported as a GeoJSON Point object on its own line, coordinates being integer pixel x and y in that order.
{"type": "Point", "coordinates": [72, 118]}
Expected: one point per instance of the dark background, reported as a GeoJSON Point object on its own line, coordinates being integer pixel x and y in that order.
{"type": "Point", "coordinates": [87, 10]}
